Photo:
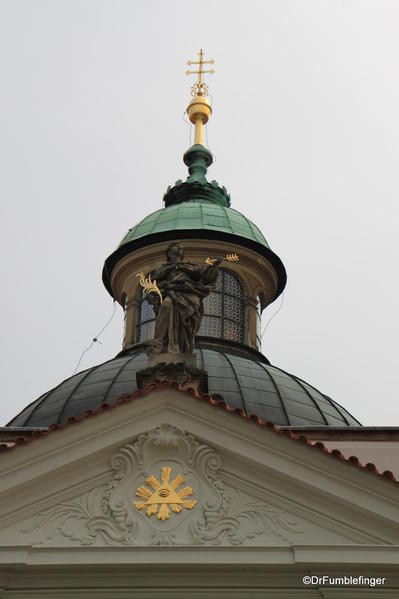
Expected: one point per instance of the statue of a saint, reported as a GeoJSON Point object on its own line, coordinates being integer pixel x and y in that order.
{"type": "Point", "coordinates": [183, 286]}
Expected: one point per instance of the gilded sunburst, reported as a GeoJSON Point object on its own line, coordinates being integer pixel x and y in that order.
{"type": "Point", "coordinates": [164, 495]}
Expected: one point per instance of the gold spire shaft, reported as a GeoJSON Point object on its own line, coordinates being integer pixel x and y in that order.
{"type": "Point", "coordinates": [199, 132]}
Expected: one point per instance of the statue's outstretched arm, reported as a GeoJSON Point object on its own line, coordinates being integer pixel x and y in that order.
{"type": "Point", "coordinates": [210, 273]}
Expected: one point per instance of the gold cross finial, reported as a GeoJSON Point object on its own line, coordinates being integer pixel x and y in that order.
{"type": "Point", "coordinates": [200, 88]}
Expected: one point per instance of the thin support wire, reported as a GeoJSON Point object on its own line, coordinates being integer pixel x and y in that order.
{"type": "Point", "coordinates": [271, 318]}
{"type": "Point", "coordinates": [95, 339]}
{"type": "Point", "coordinates": [190, 130]}
{"type": "Point", "coordinates": [207, 144]}
{"type": "Point", "coordinates": [206, 133]}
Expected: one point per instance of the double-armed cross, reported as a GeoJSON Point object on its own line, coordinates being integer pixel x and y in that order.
{"type": "Point", "coordinates": [200, 88]}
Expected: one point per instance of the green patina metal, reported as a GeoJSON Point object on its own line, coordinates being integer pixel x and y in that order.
{"type": "Point", "coordinates": [196, 187]}
{"type": "Point", "coordinates": [197, 215]}
{"type": "Point", "coordinates": [196, 204]}
{"type": "Point", "coordinates": [195, 209]}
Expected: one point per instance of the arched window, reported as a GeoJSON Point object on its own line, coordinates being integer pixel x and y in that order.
{"type": "Point", "coordinates": [145, 321]}
{"type": "Point", "coordinates": [224, 312]}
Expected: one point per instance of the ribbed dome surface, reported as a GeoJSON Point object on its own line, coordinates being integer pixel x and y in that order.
{"type": "Point", "coordinates": [199, 216]}
{"type": "Point", "coordinates": [242, 378]}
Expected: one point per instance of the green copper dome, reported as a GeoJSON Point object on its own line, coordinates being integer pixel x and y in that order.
{"type": "Point", "coordinates": [195, 209]}
{"type": "Point", "coordinates": [198, 215]}
{"type": "Point", "coordinates": [196, 204]}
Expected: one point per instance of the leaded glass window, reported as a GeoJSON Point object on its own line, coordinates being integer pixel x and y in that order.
{"type": "Point", "coordinates": [224, 312]}
{"type": "Point", "coordinates": [146, 321]}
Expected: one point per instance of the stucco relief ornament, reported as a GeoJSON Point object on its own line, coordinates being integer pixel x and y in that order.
{"type": "Point", "coordinates": [170, 513]}
{"type": "Point", "coordinates": [164, 494]}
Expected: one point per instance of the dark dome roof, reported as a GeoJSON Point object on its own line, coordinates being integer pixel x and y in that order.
{"type": "Point", "coordinates": [243, 378]}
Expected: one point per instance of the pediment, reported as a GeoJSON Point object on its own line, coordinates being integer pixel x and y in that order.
{"type": "Point", "coordinates": [129, 509]}
{"type": "Point", "coordinates": [186, 481]}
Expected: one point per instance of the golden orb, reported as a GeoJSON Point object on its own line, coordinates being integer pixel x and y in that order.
{"type": "Point", "coordinates": [199, 109]}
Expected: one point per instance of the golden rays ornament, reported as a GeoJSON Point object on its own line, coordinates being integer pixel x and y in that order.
{"type": "Point", "coordinates": [148, 285]}
{"type": "Point", "coordinates": [164, 495]}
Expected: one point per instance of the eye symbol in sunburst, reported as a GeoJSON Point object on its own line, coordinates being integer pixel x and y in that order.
{"type": "Point", "coordinates": [164, 495]}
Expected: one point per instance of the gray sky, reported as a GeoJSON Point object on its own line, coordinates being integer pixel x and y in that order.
{"type": "Point", "coordinates": [305, 132]}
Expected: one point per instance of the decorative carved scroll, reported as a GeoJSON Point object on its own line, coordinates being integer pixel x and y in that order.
{"type": "Point", "coordinates": [107, 515]}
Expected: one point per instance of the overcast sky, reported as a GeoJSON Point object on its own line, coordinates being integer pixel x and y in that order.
{"type": "Point", "coordinates": [305, 134]}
